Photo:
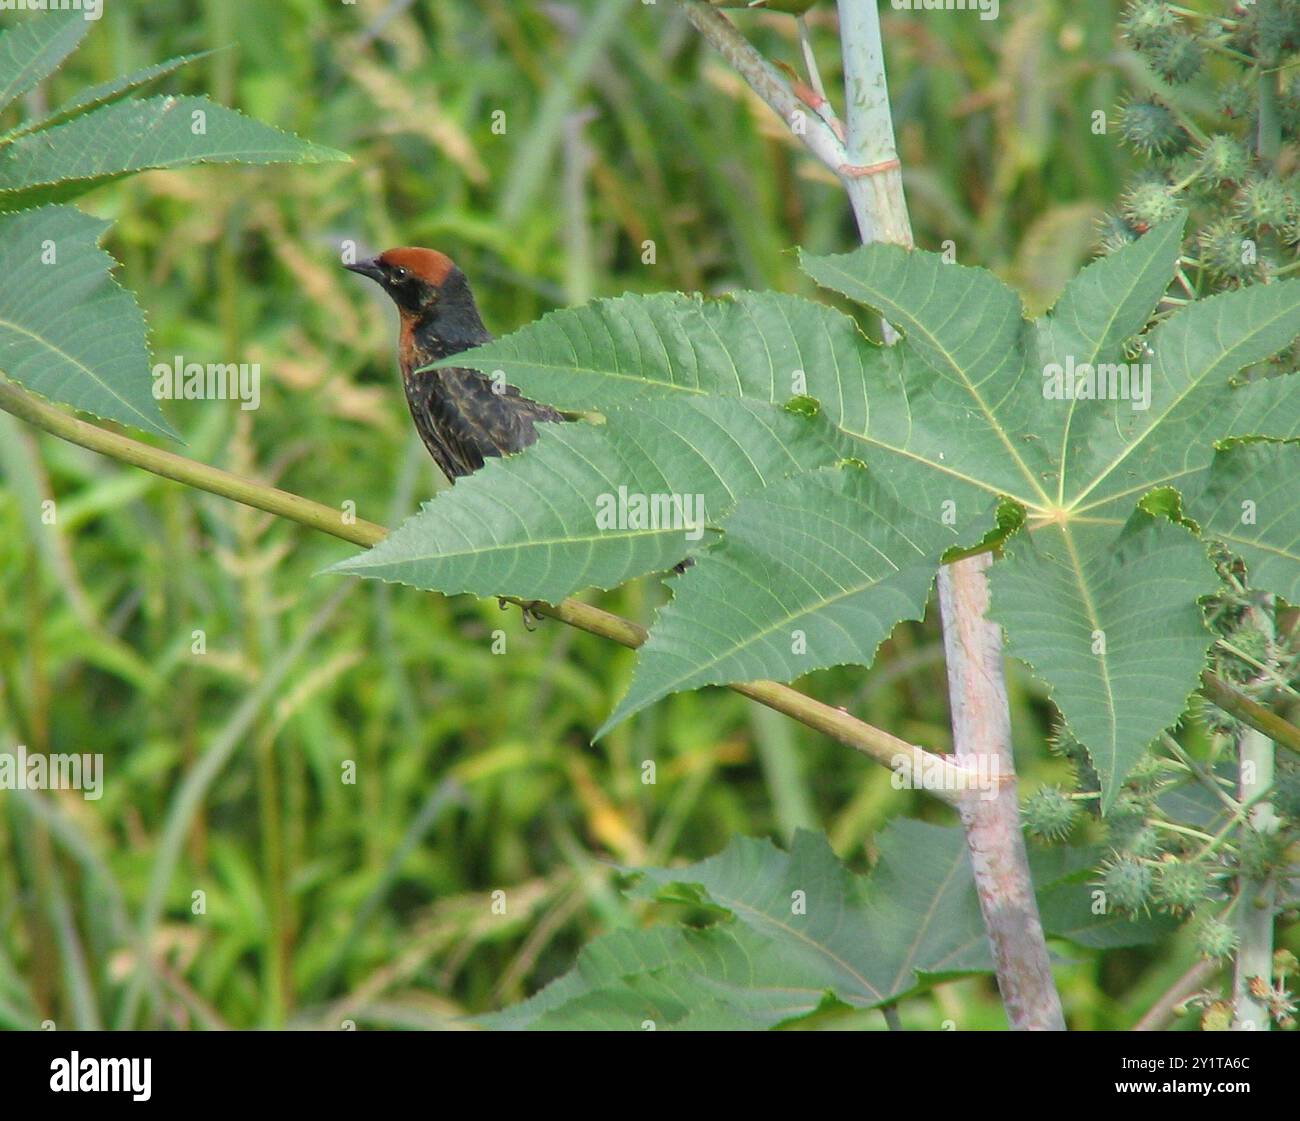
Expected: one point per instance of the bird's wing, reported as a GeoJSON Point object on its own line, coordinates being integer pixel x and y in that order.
{"type": "Point", "coordinates": [463, 420]}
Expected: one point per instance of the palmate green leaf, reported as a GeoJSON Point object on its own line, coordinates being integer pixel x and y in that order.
{"type": "Point", "coordinates": [67, 330]}
{"type": "Point", "coordinates": [1251, 502]}
{"type": "Point", "coordinates": [137, 135]}
{"type": "Point", "coordinates": [800, 927]}
{"type": "Point", "coordinates": [33, 48]}
{"type": "Point", "coordinates": [797, 932]}
{"type": "Point", "coordinates": [531, 525]}
{"type": "Point", "coordinates": [1078, 467]}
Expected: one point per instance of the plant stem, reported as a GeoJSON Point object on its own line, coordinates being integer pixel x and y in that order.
{"type": "Point", "coordinates": [27, 407]}
{"type": "Point", "coordinates": [1165, 1010]}
{"type": "Point", "coordinates": [1256, 896]}
{"type": "Point", "coordinates": [981, 714]}
{"type": "Point", "coordinates": [871, 172]}
{"type": "Point", "coordinates": [1268, 139]}
{"type": "Point", "coordinates": [981, 724]}
{"type": "Point", "coordinates": [875, 743]}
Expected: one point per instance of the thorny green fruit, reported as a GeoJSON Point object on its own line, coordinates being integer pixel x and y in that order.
{"type": "Point", "coordinates": [1127, 884]}
{"type": "Point", "coordinates": [1050, 814]}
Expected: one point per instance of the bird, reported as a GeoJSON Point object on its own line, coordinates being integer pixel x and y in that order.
{"type": "Point", "coordinates": [463, 416]}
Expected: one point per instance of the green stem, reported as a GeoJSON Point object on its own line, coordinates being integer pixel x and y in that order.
{"type": "Point", "coordinates": [1257, 895]}
{"type": "Point", "coordinates": [1269, 138]}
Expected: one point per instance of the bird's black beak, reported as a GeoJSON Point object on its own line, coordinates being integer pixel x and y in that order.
{"type": "Point", "coordinates": [370, 268]}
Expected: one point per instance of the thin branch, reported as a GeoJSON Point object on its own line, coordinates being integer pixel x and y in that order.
{"type": "Point", "coordinates": [1165, 1010]}
{"type": "Point", "coordinates": [948, 779]}
{"type": "Point", "coordinates": [768, 82]}
{"type": "Point", "coordinates": [981, 725]}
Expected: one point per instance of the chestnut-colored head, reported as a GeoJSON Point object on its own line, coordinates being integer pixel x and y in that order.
{"type": "Point", "coordinates": [414, 278]}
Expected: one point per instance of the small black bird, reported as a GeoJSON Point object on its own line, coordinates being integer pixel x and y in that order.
{"type": "Point", "coordinates": [460, 414]}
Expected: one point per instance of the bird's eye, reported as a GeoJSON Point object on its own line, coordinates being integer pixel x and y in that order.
{"type": "Point", "coordinates": [399, 273]}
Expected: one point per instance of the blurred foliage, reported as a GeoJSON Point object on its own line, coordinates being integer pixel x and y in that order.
{"type": "Point", "coordinates": [372, 901]}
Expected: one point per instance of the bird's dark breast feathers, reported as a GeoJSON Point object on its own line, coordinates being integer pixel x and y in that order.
{"type": "Point", "coordinates": [460, 417]}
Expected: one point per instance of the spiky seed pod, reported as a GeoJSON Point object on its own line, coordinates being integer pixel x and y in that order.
{"type": "Point", "coordinates": [1286, 790]}
{"type": "Point", "coordinates": [1126, 819]}
{"type": "Point", "coordinates": [1215, 939]}
{"type": "Point", "coordinates": [1259, 854]}
{"type": "Point", "coordinates": [1181, 885]}
{"type": "Point", "coordinates": [1127, 884]}
{"type": "Point", "coordinates": [1146, 22]}
{"type": "Point", "coordinates": [1224, 159]}
{"type": "Point", "coordinates": [1146, 843]}
{"type": "Point", "coordinates": [1177, 58]}
{"type": "Point", "coordinates": [1050, 814]}
{"type": "Point", "coordinates": [1149, 202]}
{"type": "Point", "coordinates": [1277, 31]}
{"type": "Point", "coordinates": [1063, 742]}
{"type": "Point", "coordinates": [1237, 101]}
{"type": "Point", "coordinates": [1216, 721]}
{"type": "Point", "coordinates": [1223, 251]}
{"type": "Point", "coordinates": [1251, 642]}
{"type": "Point", "coordinates": [1150, 127]}
{"type": "Point", "coordinates": [1146, 777]}
{"type": "Point", "coordinates": [1265, 203]}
